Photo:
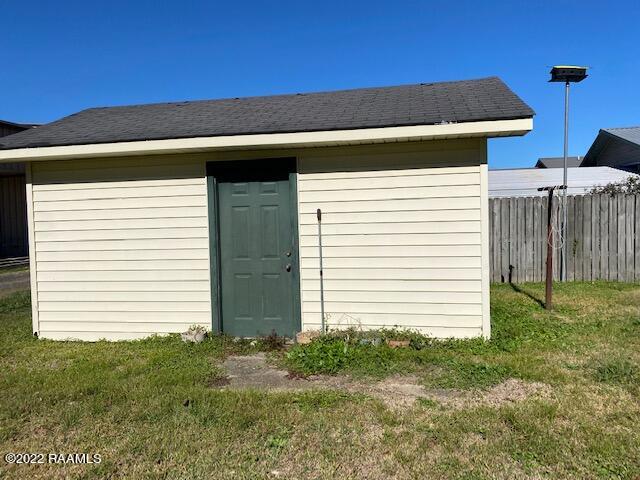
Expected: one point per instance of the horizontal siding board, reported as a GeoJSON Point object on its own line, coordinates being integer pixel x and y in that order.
{"type": "Point", "coordinates": [393, 251]}
{"type": "Point", "coordinates": [119, 265]}
{"type": "Point", "coordinates": [124, 286]}
{"type": "Point", "coordinates": [123, 203]}
{"type": "Point", "coordinates": [123, 234]}
{"type": "Point", "coordinates": [404, 298]}
{"type": "Point", "coordinates": [389, 228]}
{"type": "Point", "coordinates": [411, 216]}
{"type": "Point", "coordinates": [123, 255]}
{"type": "Point", "coordinates": [391, 182]}
{"type": "Point", "coordinates": [116, 327]}
{"type": "Point", "coordinates": [451, 203]}
{"type": "Point", "coordinates": [126, 296]}
{"type": "Point", "coordinates": [390, 262]}
{"type": "Point", "coordinates": [123, 276]}
{"type": "Point", "coordinates": [63, 187]}
{"type": "Point", "coordinates": [425, 240]}
{"type": "Point", "coordinates": [126, 213]}
{"type": "Point", "coordinates": [307, 166]}
{"type": "Point", "coordinates": [167, 244]}
{"type": "Point", "coordinates": [366, 160]}
{"type": "Point", "coordinates": [114, 224]}
{"type": "Point", "coordinates": [113, 173]}
{"type": "Point", "coordinates": [111, 193]}
{"type": "Point", "coordinates": [396, 285]}
{"type": "Point", "coordinates": [395, 308]}
{"type": "Point", "coordinates": [389, 194]}
{"type": "Point", "coordinates": [159, 163]}
{"type": "Point", "coordinates": [393, 273]}
{"type": "Point", "coordinates": [153, 317]}
{"type": "Point", "coordinates": [122, 306]}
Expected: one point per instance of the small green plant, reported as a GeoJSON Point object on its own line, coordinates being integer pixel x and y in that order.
{"type": "Point", "coordinates": [463, 375]}
{"type": "Point", "coordinates": [630, 186]}
{"type": "Point", "coordinates": [427, 403]}
{"type": "Point", "coordinates": [617, 371]}
{"type": "Point", "coordinates": [325, 354]}
{"type": "Point", "coordinates": [16, 302]}
{"type": "Point", "coordinates": [276, 442]}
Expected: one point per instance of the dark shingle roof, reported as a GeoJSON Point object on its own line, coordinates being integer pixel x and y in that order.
{"type": "Point", "coordinates": [422, 104]}
{"type": "Point", "coordinates": [630, 134]}
{"type": "Point", "coordinates": [558, 162]}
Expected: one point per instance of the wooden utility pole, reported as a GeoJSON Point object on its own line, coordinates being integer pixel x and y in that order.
{"type": "Point", "coordinates": [548, 288]}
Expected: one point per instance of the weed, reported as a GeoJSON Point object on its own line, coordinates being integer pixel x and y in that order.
{"type": "Point", "coordinates": [617, 371]}
{"type": "Point", "coordinates": [17, 302]}
{"type": "Point", "coordinates": [272, 342]}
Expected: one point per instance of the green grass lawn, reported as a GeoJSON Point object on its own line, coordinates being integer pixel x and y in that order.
{"type": "Point", "coordinates": [151, 409]}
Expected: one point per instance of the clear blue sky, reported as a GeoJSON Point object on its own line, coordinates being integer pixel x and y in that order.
{"type": "Point", "coordinates": [60, 57]}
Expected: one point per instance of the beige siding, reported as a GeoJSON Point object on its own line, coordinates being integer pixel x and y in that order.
{"type": "Point", "coordinates": [121, 247]}
{"type": "Point", "coordinates": [122, 251]}
{"type": "Point", "coordinates": [402, 237]}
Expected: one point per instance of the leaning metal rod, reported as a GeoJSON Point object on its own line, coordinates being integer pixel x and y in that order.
{"type": "Point", "coordinates": [564, 182]}
{"type": "Point", "coordinates": [319, 213]}
{"type": "Point", "coordinates": [548, 289]}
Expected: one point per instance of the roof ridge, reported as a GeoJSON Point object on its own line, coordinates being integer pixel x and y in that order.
{"type": "Point", "coordinates": [320, 92]}
{"type": "Point", "coordinates": [622, 128]}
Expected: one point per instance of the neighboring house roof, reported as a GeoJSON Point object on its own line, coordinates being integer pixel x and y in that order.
{"type": "Point", "coordinates": [21, 126]}
{"type": "Point", "coordinates": [524, 182]}
{"type": "Point", "coordinates": [617, 147]}
{"type": "Point", "coordinates": [11, 128]}
{"type": "Point", "coordinates": [408, 105]}
{"type": "Point", "coordinates": [630, 134]}
{"type": "Point", "coordinates": [557, 162]}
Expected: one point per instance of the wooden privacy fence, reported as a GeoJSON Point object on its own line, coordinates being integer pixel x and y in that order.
{"type": "Point", "coordinates": [603, 238]}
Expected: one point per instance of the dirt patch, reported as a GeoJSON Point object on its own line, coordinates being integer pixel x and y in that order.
{"type": "Point", "coordinates": [253, 371]}
{"type": "Point", "coordinates": [397, 391]}
{"type": "Point", "coordinates": [12, 282]}
{"type": "Point", "coordinates": [507, 392]}
{"type": "Point", "coordinates": [217, 382]}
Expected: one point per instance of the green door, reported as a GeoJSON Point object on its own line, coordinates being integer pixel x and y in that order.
{"type": "Point", "coordinates": [256, 251]}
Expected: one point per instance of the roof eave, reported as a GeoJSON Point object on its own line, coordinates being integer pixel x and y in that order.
{"type": "Point", "coordinates": [493, 128]}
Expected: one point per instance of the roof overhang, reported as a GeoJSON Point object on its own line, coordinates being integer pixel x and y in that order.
{"type": "Point", "coordinates": [495, 128]}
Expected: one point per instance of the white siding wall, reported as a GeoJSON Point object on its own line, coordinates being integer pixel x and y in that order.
{"type": "Point", "coordinates": [121, 247]}
{"type": "Point", "coordinates": [402, 237]}
{"type": "Point", "coordinates": [121, 244]}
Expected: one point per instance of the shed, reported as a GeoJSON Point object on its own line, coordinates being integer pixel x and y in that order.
{"type": "Point", "coordinates": [148, 219]}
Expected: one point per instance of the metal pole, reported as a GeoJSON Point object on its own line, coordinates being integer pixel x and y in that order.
{"type": "Point", "coordinates": [564, 182]}
{"type": "Point", "coordinates": [319, 213]}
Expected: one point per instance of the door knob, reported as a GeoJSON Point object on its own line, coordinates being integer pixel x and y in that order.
{"type": "Point", "coordinates": [288, 267]}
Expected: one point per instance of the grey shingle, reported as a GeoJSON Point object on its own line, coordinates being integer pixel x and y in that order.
{"type": "Point", "coordinates": [421, 104]}
{"type": "Point", "coordinates": [631, 134]}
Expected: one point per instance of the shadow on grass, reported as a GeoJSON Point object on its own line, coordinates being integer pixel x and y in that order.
{"type": "Point", "coordinates": [518, 289]}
